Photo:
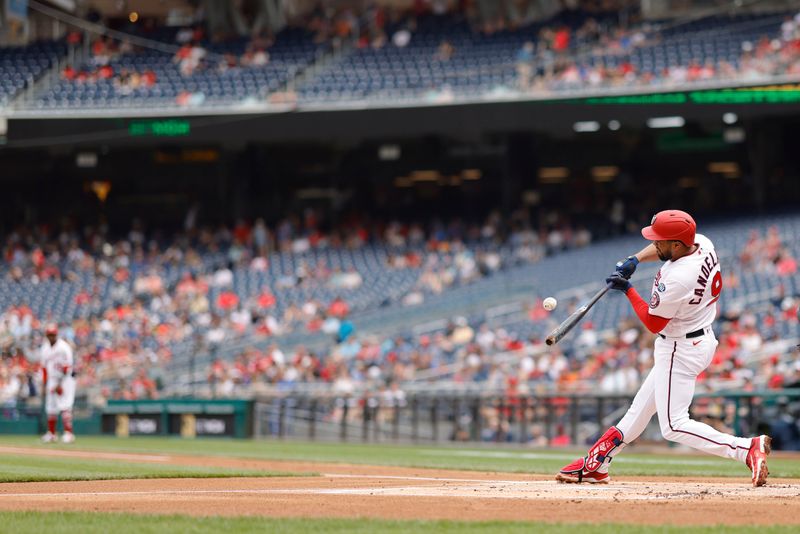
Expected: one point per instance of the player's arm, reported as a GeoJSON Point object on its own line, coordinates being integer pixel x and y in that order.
{"type": "Point", "coordinates": [627, 266]}
{"type": "Point", "coordinates": [654, 323]}
{"type": "Point", "coordinates": [645, 312]}
{"type": "Point", "coordinates": [648, 253]}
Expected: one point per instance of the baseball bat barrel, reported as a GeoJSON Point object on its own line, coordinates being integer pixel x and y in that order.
{"type": "Point", "coordinates": [570, 322]}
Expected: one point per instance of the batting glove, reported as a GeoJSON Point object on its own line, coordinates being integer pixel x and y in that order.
{"type": "Point", "coordinates": [618, 281]}
{"type": "Point", "coordinates": [58, 390]}
{"type": "Point", "coordinates": [627, 266]}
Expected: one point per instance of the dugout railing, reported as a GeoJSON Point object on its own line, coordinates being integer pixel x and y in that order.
{"type": "Point", "coordinates": [532, 420]}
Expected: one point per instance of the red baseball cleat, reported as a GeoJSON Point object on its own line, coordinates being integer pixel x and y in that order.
{"type": "Point", "coordinates": [760, 448]}
{"type": "Point", "coordinates": [576, 473]}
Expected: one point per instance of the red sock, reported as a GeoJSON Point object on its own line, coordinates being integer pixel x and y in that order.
{"type": "Point", "coordinates": [66, 418]}
{"type": "Point", "coordinates": [51, 423]}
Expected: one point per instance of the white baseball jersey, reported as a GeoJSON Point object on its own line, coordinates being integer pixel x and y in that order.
{"type": "Point", "coordinates": [686, 290]}
{"type": "Point", "coordinates": [57, 360]}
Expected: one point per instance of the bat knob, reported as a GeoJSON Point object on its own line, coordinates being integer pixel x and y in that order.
{"type": "Point", "coordinates": [550, 340]}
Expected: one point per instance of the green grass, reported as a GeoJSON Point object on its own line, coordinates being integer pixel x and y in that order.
{"type": "Point", "coordinates": [446, 457]}
{"type": "Point", "coordinates": [17, 468]}
{"type": "Point", "coordinates": [100, 523]}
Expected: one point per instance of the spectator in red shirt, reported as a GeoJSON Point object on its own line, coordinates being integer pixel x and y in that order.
{"type": "Point", "coordinates": [338, 308]}
{"type": "Point", "coordinates": [74, 38]}
{"type": "Point", "coordinates": [242, 231]}
{"type": "Point", "coordinates": [105, 72]}
{"type": "Point", "coordinates": [149, 78]}
{"type": "Point", "coordinates": [561, 40]}
{"type": "Point", "coordinates": [227, 300]}
{"type": "Point", "coordinates": [266, 300]}
{"type": "Point", "coordinates": [786, 264]}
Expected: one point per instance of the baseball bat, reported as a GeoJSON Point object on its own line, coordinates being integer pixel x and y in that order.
{"type": "Point", "coordinates": [570, 322]}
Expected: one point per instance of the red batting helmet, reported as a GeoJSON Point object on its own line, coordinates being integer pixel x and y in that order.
{"type": "Point", "coordinates": [51, 329]}
{"type": "Point", "coordinates": [671, 225]}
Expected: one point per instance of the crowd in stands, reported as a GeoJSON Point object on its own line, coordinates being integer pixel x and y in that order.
{"type": "Point", "coordinates": [190, 56]}
{"type": "Point", "coordinates": [543, 69]}
{"type": "Point", "coordinates": [499, 359]}
{"type": "Point", "coordinates": [562, 55]}
{"type": "Point", "coordinates": [586, 45]}
{"type": "Point", "coordinates": [767, 254]}
{"type": "Point", "coordinates": [123, 350]}
{"type": "Point", "coordinates": [103, 51]}
{"type": "Point", "coordinates": [596, 52]}
{"type": "Point", "coordinates": [140, 296]}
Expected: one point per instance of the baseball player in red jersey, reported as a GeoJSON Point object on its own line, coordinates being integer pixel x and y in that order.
{"type": "Point", "coordinates": [681, 310]}
{"type": "Point", "coordinates": [57, 365]}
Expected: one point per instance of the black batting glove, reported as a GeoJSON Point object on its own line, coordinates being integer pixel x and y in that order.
{"type": "Point", "coordinates": [627, 266]}
{"type": "Point", "coordinates": [618, 282]}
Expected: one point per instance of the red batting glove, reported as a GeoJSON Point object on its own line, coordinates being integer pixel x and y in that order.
{"type": "Point", "coordinates": [59, 390]}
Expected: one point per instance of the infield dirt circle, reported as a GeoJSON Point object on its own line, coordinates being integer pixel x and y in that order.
{"type": "Point", "coordinates": [408, 493]}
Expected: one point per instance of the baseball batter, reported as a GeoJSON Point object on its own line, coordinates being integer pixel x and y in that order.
{"type": "Point", "coordinates": [681, 310]}
{"type": "Point", "coordinates": [57, 365]}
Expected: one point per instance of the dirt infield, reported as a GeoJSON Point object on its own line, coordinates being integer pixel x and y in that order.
{"type": "Point", "coordinates": [402, 493]}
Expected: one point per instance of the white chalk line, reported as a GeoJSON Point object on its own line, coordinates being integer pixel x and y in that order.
{"type": "Point", "coordinates": [510, 496]}
{"type": "Point", "coordinates": [431, 479]}
{"type": "Point", "coordinates": [468, 488]}
{"type": "Point", "coordinates": [486, 493]}
{"type": "Point", "coordinates": [599, 493]}
{"type": "Point", "coordinates": [84, 454]}
{"type": "Point", "coordinates": [258, 491]}
{"type": "Point", "coordinates": [135, 493]}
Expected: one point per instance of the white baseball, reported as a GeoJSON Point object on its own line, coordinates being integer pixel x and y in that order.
{"type": "Point", "coordinates": [550, 303]}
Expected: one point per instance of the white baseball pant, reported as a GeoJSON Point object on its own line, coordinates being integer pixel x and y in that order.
{"type": "Point", "coordinates": [668, 391]}
{"type": "Point", "coordinates": [55, 404]}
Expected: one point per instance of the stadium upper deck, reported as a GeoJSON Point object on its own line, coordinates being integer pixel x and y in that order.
{"type": "Point", "coordinates": [430, 58]}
